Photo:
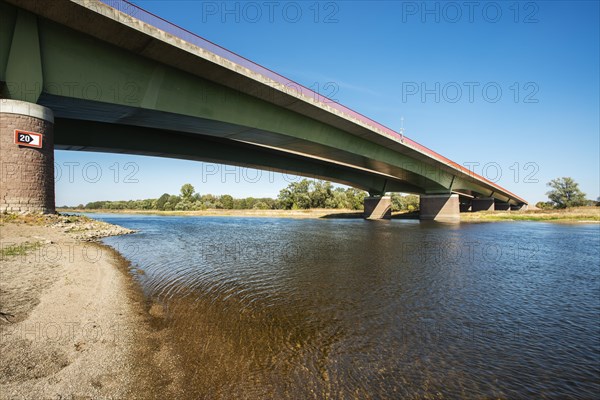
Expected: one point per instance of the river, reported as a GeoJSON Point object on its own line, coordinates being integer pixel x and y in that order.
{"type": "Point", "coordinates": [284, 308]}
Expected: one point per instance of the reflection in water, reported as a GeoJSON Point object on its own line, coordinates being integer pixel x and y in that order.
{"type": "Point", "coordinates": [273, 308]}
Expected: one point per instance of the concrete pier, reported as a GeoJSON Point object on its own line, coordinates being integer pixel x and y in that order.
{"type": "Point", "coordinates": [501, 206]}
{"type": "Point", "coordinates": [378, 207]}
{"type": "Point", "coordinates": [465, 206]}
{"type": "Point", "coordinates": [482, 204]}
{"type": "Point", "coordinates": [439, 207]}
{"type": "Point", "coordinates": [26, 157]}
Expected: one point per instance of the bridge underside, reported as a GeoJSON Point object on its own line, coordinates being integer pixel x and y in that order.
{"type": "Point", "coordinates": [117, 138]}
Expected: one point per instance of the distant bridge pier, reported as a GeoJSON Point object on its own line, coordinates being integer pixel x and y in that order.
{"type": "Point", "coordinates": [501, 206]}
{"type": "Point", "coordinates": [27, 157]}
{"type": "Point", "coordinates": [482, 204]}
{"type": "Point", "coordinates": [378, 207]}
{"type": "Point", "coordinates": [518, 207]}
{"type": "Point", "coordinates": [439, 207]}
{"type": "Point", "coordinates": [465, 205]}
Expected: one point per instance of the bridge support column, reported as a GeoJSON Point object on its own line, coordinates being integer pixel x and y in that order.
{"type": "Point", "coordinates": [439, 207]}
{"type": "Point", "coordinates": [378, 207]}
{"type": "Point", "coordinates": [501, 206]}
{"type": "Point", "coordinates": [465, 206]}
{"type": "Point", "coordinates": [519, 207]}
{"type": "Point", "coordinates": [482, 204]}
{"type": "Point", "coordinates": [26, 171]}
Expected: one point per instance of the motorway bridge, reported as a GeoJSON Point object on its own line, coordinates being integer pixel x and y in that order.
{"type": "Point", "coordinates": [105, 75]}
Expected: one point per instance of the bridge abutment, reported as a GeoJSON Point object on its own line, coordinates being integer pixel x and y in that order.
{"type": "Point", "coordinates": [378, 207]}
{"type": "Point", "coordinates": [439, 207]}
{"type": "Point", "coordinates": [27, 157]}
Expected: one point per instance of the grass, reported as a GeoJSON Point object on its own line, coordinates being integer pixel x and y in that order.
{"type": "Point", "coordinates": [575, 214]}
{"type": "Point", "coordinates": [18, 249]}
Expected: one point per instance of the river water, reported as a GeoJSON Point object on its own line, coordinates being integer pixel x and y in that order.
{"type": "Point", "coordinates": [280, 308]}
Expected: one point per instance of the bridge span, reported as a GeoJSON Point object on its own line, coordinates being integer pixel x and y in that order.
{"type": "Point", "coordinates": [106, 75]}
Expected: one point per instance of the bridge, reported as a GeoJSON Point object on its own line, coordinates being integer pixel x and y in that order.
{"type": "Point", "coordinates": [105, 75]}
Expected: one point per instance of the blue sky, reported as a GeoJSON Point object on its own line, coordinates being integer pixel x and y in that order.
{"type": "Point", "coordinates": [510, 88]}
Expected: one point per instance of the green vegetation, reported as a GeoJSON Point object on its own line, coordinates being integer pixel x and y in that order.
{"type": "Point", "coordinates": [544, 205]}
{"type": "Point", "coordinates": [565, 193]}
{"type": "Point", "coordinates": [187, 200]}
{"type": "Point", "coordinates": [319, 194]}
{"type": "Point", "coordinates": [301, 195]}
{"type": "Point", "coordinates": [407, 203]}
{"type": "Point", "coordinates": [573, 214]}
{"type": "Point", "coordinates": [18, 249]}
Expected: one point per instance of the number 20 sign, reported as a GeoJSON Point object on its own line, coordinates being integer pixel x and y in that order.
{"type": "Point", "coordinates": [31, 139]}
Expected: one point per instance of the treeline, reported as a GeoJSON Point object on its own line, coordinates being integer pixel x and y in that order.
{"type": "Point", "coordinates": [319, 194]}
{"type": "Point", "coordinates": [408, 203]}
{"type": "Point", "coordinates": [187, 200]}
{"type": "Point", "coordinates": [304, 194]}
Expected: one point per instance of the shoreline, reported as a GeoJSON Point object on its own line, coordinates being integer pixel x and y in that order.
{"type": "Point", "coordinates": [292, 214]}
{"type": "Point", "coordinates": [75, 322]}
{"type": "Point", "coordinates": [586, 215]}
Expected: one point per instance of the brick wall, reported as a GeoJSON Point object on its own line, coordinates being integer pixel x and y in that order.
{"type": "Point", "coordinates": [26, 173]}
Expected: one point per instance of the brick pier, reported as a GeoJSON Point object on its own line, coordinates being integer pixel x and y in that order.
{"type": "Point", "coordinates": [26, 173]}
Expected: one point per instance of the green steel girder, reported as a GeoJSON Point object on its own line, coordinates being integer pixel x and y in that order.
{"type": "Point", "coordinates": [104, 137]}
{"type": "Point", "coordinates": [22, 65]}
{"type": "Point", "coordinates": [8, 19]}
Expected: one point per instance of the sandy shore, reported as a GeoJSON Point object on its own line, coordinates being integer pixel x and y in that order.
{"type": "Point", "coordinates": [74, 323]}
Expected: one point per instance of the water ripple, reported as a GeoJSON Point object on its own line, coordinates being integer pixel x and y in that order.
{"type": "Point", "coordinates": [262, 308]}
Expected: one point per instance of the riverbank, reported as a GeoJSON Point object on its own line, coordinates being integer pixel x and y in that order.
{"type": "Point", "coordinates": [571, 215]}
{"type": "Point", "coordinates": [74, 324]}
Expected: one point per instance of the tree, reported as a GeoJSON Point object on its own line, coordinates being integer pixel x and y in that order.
{"type": "Point", "coordinates": [187, 191]}
{"type": "Point", "coordinates": [260, 205]}
{"type": "Point", "coordinates": [544, 205]}
{"type": "Point", "coordinates": [304, 194]}
{"type": "Point", "coordinates": [208, 201]}
{"type": "Point", "coordinates": [296, 195]}
{"type": "Point", "coordinates": [565, 193]}
{"type": "Point", "coordinates": [162, 200]}
{"type": "Point", "coordinates": [405, 203]}
{"type": "Point", "coordinates": [338, 199]}
{"type": "Point", "coordinates": [355, 198]}
{"type": "Point", "coordinates": [227, 201]}
{"type": "Point", "coordinates": [412, 202]}
{"type": "Point", "coordinates": [321, 191]}
{"type": "Point", "coordinates": [173, 200]}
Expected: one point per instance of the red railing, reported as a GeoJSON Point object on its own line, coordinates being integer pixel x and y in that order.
{"type": "Point", "coordinates": [137, 12]}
